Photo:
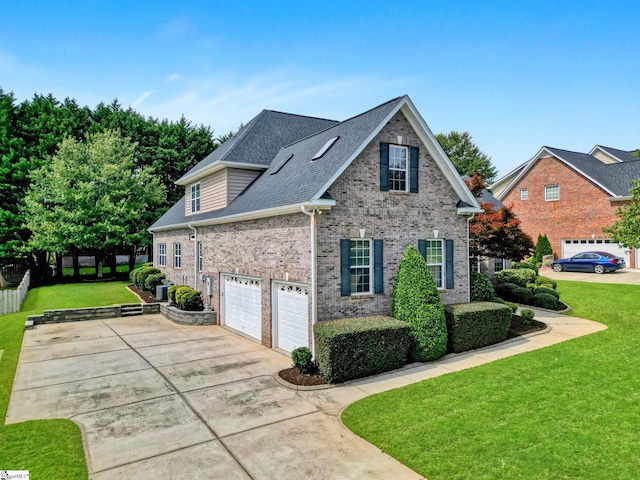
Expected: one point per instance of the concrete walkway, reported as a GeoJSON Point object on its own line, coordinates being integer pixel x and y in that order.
{"type": "Point", "coordinates": [159, 400]}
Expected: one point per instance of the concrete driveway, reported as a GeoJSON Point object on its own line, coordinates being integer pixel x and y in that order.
{"type": "Point", "coordinates": [158, 400]}
{"type": "Point", "coordinates": [626, 276]}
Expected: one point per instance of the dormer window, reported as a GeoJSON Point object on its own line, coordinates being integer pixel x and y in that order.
{"type": "Point", "coordinates": [195, 198]}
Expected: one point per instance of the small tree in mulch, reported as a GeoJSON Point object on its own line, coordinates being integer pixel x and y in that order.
{"type": "Point", "coordinates": [416, 301]}
{"type": "Point", "coordinates": [543, 247]}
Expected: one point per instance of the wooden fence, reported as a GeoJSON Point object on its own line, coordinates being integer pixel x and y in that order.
{"type": "Point", "coordinates": [11, 299]}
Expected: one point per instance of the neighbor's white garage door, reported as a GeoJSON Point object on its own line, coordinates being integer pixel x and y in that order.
{"type": "Point", "coordinates": [241, 304]}
{"type": "Point", "coordinates": [291, 316]}
{"type": "Point", "coordinates": [573, 247]}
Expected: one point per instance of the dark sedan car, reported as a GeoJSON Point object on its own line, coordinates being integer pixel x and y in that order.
{"type": "Point", "coordinates": [598, 262]}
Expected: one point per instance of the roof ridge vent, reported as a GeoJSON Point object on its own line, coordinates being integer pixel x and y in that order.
{"type": "Point", "coordinates": [325, 148]}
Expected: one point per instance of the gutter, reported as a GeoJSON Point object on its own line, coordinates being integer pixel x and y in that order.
{"type": "Point", "coordinates": [314, 272]}
{"type": "Point", "coordinates": [195, 258]}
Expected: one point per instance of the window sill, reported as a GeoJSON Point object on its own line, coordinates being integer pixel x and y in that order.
{"type": "Point", "coordinates": [402, 194]}
{"type": "Point", "coordinates": [356, 296]}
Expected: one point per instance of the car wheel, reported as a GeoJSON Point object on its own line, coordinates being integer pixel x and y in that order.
{"type": "Point", "coordinates": [598, 269]}
{"type": "Point", "coordinates": [557, 267]}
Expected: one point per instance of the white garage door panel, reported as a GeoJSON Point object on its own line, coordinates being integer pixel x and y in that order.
{"type": "Point", "coordinates": [292, 316]}
{"type": "Point", "coordinates": [573, 247]}
{"type": "Point", "coordinates": [243, 305]}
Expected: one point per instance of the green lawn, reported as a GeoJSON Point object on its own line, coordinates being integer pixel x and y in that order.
{"type": "Point", "coordinates": [49, 449]}
{"type": "Point", "coordinates": [567, 411]}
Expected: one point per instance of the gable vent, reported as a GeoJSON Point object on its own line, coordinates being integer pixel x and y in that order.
{"type": "Point", "coordinates": [281, 164]}
{"type": "Point", "coordinates": [325, 148]}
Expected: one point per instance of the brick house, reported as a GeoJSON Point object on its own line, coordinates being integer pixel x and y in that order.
{"type": "Point", "coordinates": [297, 219]}
{"type": "Point", "coordinates": [571, 196]}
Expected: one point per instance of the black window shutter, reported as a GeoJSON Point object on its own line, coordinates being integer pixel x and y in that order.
{"type": "Point", "coordinates": [449, 260]}
{"type": "Point", "coordinates": [384, 166]}
{"type": "Point", "coordinates": [378, 271]}
{"type": "Point", "coordinates": [413, 173]}
{"type": "Point", "coordinates": [422, 248]}
{"type": "Point", "coordinates": [345, 270]}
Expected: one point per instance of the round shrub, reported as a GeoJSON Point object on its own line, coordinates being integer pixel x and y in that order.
{"type": "Point", "coordinates": [416, 300]}
{"type": "Point", "coordinates": [171, 293]}
{"type": "Point", "coordinates": [521, 265]}
{"type": "Point", "coordinates": [541, 280]}
{"type": "Point", "coordinates": [550, 291]}
{"type": "Point", "coordinates": [512, 306]}
{"type": "Point", "coordinates": [506, 291]}
{"type": "Point", "coordinates": [524, 295]}
{"type": "Point", "coordinates": [133, 274]}
{"type": "Point", "coordinates": [141, 277]}
{"type": "Point", "coordinates": [481, 288]}
{"type": "Point", "coordinates": [191, 300]}
{"type": "Point", "coordinates": [153, 280]}
{"type": "Point", "coordinates": [182, 289]}
{"type": "Point", "coordinates": [546, 300]}
{"type": "Point", "coordinates": [527, 315]}
{"type": "Point", "coordinates": [302, 359]}
{"type": "Point", "coordinates": [520, 277]}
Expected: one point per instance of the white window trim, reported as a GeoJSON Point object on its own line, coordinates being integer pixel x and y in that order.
{"type": "Point", "coordinates": [200, 260]}
{"type": "Point", "coordinates": [162, 254]}
{"type": "Point", "coordinates": [177, 255]}
{"type": "Point", "coordinates": [406, 169]}
{"type": "Point", "coordinates": [524, 194]}
{"type": "Point", "coordinates": [370, 266]}
{"type": "Point", "coordinates": [194, 199]}
{"type": "Point", "coordinates": [441, 265]}
{"type": "Point", "coordinates": [495, 264]}
{"type": "Point", "coordinates": [546, 196]}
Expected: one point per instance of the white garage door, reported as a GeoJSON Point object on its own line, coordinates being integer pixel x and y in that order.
{"type": "Point", "coordinates": [573, 247]}
{"type": "Point", "coordinates": [241, 304]}
{"type": "Point", "coordinates": [291, 316]}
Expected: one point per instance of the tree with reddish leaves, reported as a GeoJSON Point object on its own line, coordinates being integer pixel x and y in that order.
{"type": "Point", "coordinates": [496, 232]}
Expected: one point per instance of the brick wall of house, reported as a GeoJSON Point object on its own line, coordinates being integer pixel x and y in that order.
{"type": "Point", "coordinates": [268, 248]}
{"type": "Point", "coordinates": [271, 248]}
{"type": "Point", "coordinates": [582, 210]}
{"type": "Point", "coordinates": [400, 219]}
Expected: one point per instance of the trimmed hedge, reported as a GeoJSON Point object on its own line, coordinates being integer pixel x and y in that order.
{"type": "Point", "coordinates": [481, 288]}
{"type": "Point", "coordinates": [521, 265]}
{"type": "Point", "coordinates": [139, 276]}
{"type": "Point", "coordinates": [546, 300]}
{"type": "Point", "coordinates": [153, 280]}
{"type": "Point", "coordinates": [186, 298]}
{"type": "Point", "coordinates": [549, 291]}
{"type": "Point", "coordinates": [541, 280]}
{"type": "Point", "coordinates": [518, 276]}
{"type": "Point", "coordinates": [476, 325]}
{"type": "Point", "coordinates": [359, 347]}
{"type": "Point", "coordinates": [171, 293]}
{"type": "Point", "coordinates": [416, 300]}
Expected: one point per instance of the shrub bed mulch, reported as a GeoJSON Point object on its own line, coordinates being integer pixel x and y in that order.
{"type": "Point", "coordinates": [293, 376]}
{"type": "Point", "coordinates": [147, 297]}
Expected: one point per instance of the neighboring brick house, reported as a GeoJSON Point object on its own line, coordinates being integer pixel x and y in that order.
{"type": "Point", "coordinates": [298, 219]}
{"type": "Point", "coordinates": [571, 196]}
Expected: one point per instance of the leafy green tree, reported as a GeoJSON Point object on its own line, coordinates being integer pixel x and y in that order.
{"type": "Point", "coordinates": [91, 195]}
{"type": "Point", "coordinates": [466, 156]}
{"type": "Point", "coordinates": [543, 247]}
{"type": "Point", "coordinates": [626, 230]}
{"type": "Point", "coordinates": [416, 300]}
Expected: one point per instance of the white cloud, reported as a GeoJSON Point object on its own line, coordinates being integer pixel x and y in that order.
{"type": "Point", "coordinates": [173, 77]}
{"type": "Point", "coordinates": [224, 102]}
{"type": "Point", "coordinates": [141, 98]}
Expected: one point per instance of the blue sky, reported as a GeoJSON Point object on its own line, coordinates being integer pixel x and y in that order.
{"type": "Point", "coordinates": [516, 75]}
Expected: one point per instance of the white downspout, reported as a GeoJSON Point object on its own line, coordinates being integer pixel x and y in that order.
{"type": "Point", "coordinates": [468, 253]}
{"type": "Point", "coordinates": [314, 268]}
{"type": "Point", "coordinates": [195, 258]}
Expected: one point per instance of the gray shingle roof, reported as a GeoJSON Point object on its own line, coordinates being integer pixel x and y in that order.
{"type": "Point", "coordinates": [624, 155]}
{"type": "Point", "coordinates": [300, 179]}
{"type": "Point", "coordinates": [615, 177]}
{"type": "Point", "coordinates": [259, 140]}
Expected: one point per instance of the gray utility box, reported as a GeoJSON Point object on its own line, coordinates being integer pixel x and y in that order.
{"type": "Point", "coordinates": [162, 290]}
